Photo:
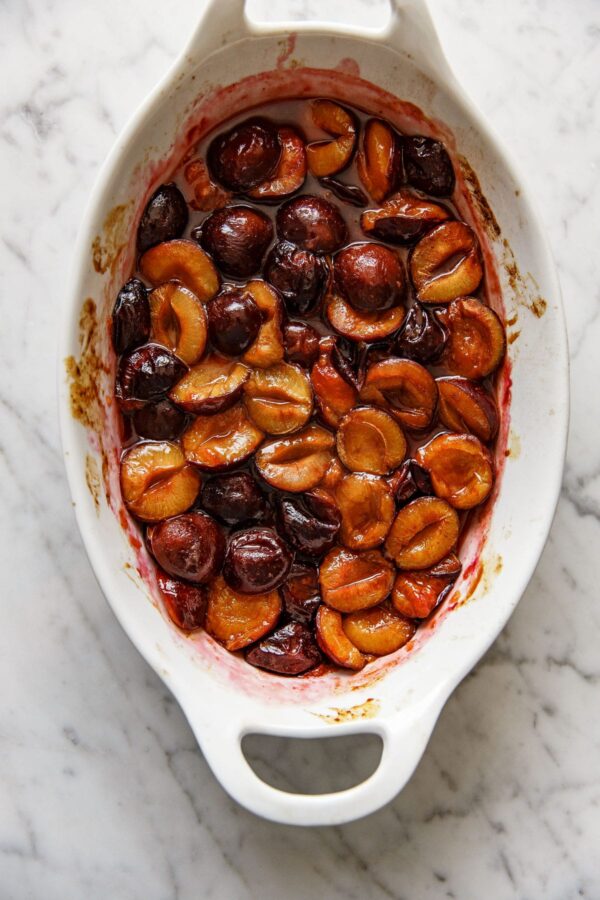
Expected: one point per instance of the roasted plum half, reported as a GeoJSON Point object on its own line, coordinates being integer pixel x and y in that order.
{"type": "Point", "coordinates": [164, 218]}
{"type": "Point", "coordinates": [312, 223]}
{"type": "Point", "coordinates": [404, 387]}
{"type": "Point", "coordinates": [352, 580]}
{"type": "Point", "coordinates": [330, 157]}
{"type": "Point", "coordinates": [234, 320]}
{"type": "Point", "coordinates": [378, 631]}
{"type": "Point", "coordinates": [465, 405]}
{"type": "Point", "coordinates": [237, 238]}
{"type": "Point", "coordinates": [212, 386]}
{"type": "Point", "coordinates": [370, 276]}
{"type": "Point", "coordinates": [183, 261]}
{"type": "Point", "coordinates": [299, 275]}
{"type": "Point", "coordinates": [404, 218]}
{"type": "Point", "coordinates": [333, 383]}
{"type": "Point", "coordinates": [296, 462]}
{"type": "Point", "coordinates": [476, 339]}
{"type": "Point", "coordinates": [379, 162]}
{"type": "Point", "coordinates": [156, 481]}
{"type": "Point", "coordinates": [146, 374]}
{"type": "Point", "coordinates": [427, 165]}
{"type": "Point", "coordinates": [310, 524]}
{"type": "Point", "coordinates": [130, 317]}
{"type": "Point", "coordinates": [185, 603]}
{"type": "Point", "coordinates": [189, 546]}
{"type": "Point", "coordinates": [236, 619]}
{"type": "Point", "coordinates": [370, 440]}
{"type": "Point", "coordinates": [423, 532]}
{"type": "Point", "coordinates": [222, 440]}
{"type": "Point", "coordinates": [446, 263]}
{"type": "Point", "coordinates": [257, 560]}
{"type": "Point", "coordinates": [290, 650]}
{"type": "Point", "coordinates": [301, 592]}
{"type": "Point", "coordinates": [279, 400]}
{"type": "Point", "coordinates": [460, 468]}
{"type": "Point", "coordinates": [267, 349]}
{"type": "Point", "coordinates": [334, 642]}
{"type": "Point", "coordinates": [290, 172]}
{"type": "Point", "coordinates": [417, 594]}
{"type": "Point", "coordinates": [246, 155]}
{"type": "Point", "coordinates": [367, 508]}
{"type": "Point", "coordinates": [178, 321]}
{"type": "Point", "coordinates": [234, 498]}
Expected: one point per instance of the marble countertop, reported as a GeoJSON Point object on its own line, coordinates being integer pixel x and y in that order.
{"type": "Point", "coordinates": [103, 792]}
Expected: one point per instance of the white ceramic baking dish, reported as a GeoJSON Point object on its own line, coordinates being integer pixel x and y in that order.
{"type": "Point", "coordinates": [231, 62]}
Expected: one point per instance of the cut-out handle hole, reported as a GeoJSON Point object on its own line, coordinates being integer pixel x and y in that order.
{"type": "Point", "coordinates": [313, 766]}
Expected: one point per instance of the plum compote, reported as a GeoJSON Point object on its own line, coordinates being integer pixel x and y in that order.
{"type": "Point", "coordinates": [306, 375]}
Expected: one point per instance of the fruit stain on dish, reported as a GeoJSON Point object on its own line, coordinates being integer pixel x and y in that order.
{"type": "Point", "coordinates": [367, 710]}
{"type": "Point", "coordinates": [92, 479]}
{"type": "Point", "coordinates": [219, 109]}
{"type": "Point", "coordinates": [107, 247]}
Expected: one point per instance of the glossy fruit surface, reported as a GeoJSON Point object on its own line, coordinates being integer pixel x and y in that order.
{"type": "Point", "coordinates": [427, 165]}
{"type": "Point", "coordinates": [189, 546]}
{"type": "Point", "coordinates": [156, 481]}
{"type": "Point", "coordinates": [234, 321]}
{"type": "Point", "coordinates": [236, 619]}
{"type": "Point", "coordinates": [305, 360]}
{"type": "Point", "coordinates": [236, 238]}
{"type": "Point", "coordinates": [146, 374]}
{"type": "Point", "coordinates": [291, 650]}
{"type": "Point", "coordinates": [370, 276]}
{"type": "Point", "coordinates": [246, 155]}
{"type": "Point", "coordinates": [299, 275]}
{"type": "Point", "coordinates": [234, 498]}
{"type": "Point", "coordinates": [423, 532]}
{"type": "Point", "coordinates": [310, 523]}
{"type": "Point", "coordinates": [257, 560]}
{"type": "Point", "coordinates": [185, 603]}
{"type": "Point", "coordinates": [130, 317]}
{"type": "Point", "coordinates": [164, 218]}
{"type": "Point", "coordinates": [290, 172]}
{"type": "Point", "coordinates": [312, 223]}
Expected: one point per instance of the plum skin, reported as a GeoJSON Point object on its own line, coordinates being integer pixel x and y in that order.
{"type": "Point", "coordinates": [189, 546]}
{"type": "Point", "coordinates": [256, 561]}
{"type": "Point", "coordinates": [164, 218]}
{"type": "Point", "coordinates": [234, 321]}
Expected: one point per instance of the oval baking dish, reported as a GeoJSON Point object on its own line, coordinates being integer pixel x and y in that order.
{"type": "Point", "coordinates": [231, 64]}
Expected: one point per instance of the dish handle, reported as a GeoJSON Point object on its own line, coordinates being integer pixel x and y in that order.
{"type": "Point", "coordinates": [410, 28]}
{"type": "Point", "coordinates": [404, 740]}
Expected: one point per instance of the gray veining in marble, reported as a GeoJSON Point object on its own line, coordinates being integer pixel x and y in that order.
{"type": "Point", "coordinates": [102, 790]}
